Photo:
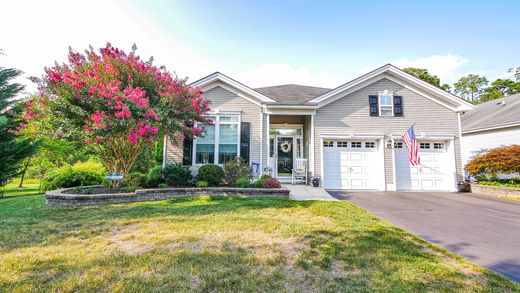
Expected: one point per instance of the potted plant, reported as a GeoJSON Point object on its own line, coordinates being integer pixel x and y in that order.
{"type": "Point", "coordinates": [315, 181]}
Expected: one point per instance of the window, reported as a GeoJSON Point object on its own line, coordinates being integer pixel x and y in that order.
{"type": "Point", "coordinates": [342, 144]}
{"type": "Point", "coordinates": [298, 148]}
{"type": "Point", "coordinates": [370, 144]}
{"type": "Point", "coordinates": [328, 144]}
{"type": "Point", "coordinates": [271, 147]}
{"type": "Point", "coordinates": [398, 145]}
{"type": "Point", "coordinates": [220, 138]}
{"type": "Point", "coordinates": [424, 145]}
{"type": "Point", "coordinates": [355, 144]}
{"type": "Point", "coordinates": [438, 145]}
{"type": "Point", "coordinates": [386, 104]}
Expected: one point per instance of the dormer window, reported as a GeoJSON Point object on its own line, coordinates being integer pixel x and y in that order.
{"type": "Point", "coordinates": [386, 103]}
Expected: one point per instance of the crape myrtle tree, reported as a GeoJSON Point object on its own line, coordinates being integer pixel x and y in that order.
{"type": "Point", "coordinates": [116, 102]}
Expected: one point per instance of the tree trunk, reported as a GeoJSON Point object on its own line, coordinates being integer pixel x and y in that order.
{"type": "Point", "coordinates": [25, 167]}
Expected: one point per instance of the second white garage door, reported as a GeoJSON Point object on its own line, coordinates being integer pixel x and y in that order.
{"type": "Point", "coordinates": [436, 171]}
{"type": "Point", "coordinates": [352, 165]}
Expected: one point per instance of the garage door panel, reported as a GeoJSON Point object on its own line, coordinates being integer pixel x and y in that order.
{"type": "Point", "coordinates": [432, 174]}
{"type": "Point", "coordinates": [352, 168]}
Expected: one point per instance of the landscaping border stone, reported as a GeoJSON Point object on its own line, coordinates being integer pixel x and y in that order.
{"type": "Point", "coordinates": [498, 191]}
{"type": "Point", "coordinates": [60, 197]}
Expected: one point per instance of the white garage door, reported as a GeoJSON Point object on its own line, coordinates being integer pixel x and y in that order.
{"type": "Point", "coordinates": [434, 173]}
{"type": "Point", "coordinates": [352, 165]}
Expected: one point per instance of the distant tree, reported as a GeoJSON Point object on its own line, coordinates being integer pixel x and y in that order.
{"type": "Point", "coordinates": [471, 87]}
{"type": "Point", "coordinates": [423, 74]}
{"type": "Point", "coordinates": [516, 72]}
{"type": "Point", "coordinates": [13, 149]}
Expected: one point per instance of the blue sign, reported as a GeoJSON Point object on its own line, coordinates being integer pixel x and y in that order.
{"type": "Point", "coordinates": [114, 177]}
{"type": "Point", "coordinates": [256, 168]}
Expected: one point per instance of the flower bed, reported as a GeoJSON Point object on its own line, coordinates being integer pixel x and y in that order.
{"type": "Point", "coordinates": [498, 191]}
{"type": "Point", "coordinates": [71, 197]}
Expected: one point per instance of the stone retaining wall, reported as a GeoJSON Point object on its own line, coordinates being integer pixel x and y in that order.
{"type": "Point", "coordinates": [497, 191]}
{"type": "Point", "coordinates": [60, 197]}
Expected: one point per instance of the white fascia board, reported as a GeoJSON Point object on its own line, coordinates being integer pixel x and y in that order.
{"type": "Point", "coordinates": [352, 136]}
{"type": "Point", "coordinates": [217, 76]}
{"type": "Point", "coordinates": [490, 128]}
{"type": "Point", "coordinates": [427, 137]}
{"type": "Point", "coordinates": [282, 106]}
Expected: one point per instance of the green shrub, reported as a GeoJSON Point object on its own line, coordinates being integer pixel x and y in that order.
{"type": "Point", "coordinates": [79, 174]}
{"type": "Point", "coordinates": [154, 177]}
{"type": "Point", "coordinates": [236, 169]}
{"type": "Point", "coordinates": [134, 179]}
{"type": "Point", "coordinates": [177, 175]}
{"type": "Point", "coordinates": [162, 185]}
{"type": "Point", "coordinates": [129, 188]}
{"type": "Point", "coordinates": [243, 183]}
{"type": "Point", "coordinates": [513, 182]}
{"type": "Point", "coordinates": [260, 182]}
{"type": "Point", "coordinates": [202, 184]}
{"type": "Point", "coordinates": [210, 173]}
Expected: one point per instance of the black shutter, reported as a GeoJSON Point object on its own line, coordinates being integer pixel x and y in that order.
{"type": "Point", "coordinates": [373, 105]}
{"type": "Point", "coordinates": [187, 150]}
{"type": "Point", "coordinates": [398, 106]}
{"type": "Point", "coordinates": [245, 137]}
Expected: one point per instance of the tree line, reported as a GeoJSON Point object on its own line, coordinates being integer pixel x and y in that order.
{"type": "Point", "coordinates": [473, 87]}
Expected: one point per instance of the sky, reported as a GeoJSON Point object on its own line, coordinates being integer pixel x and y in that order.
{"type": "Point", "coordinates": [264, 43]}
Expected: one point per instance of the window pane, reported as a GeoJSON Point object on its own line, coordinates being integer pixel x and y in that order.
{"type": "Point", "coordinates": [386, 100]}
{"type": "Point", "coordinates": [208, 136]}
{"type": "Point", "coordinates": [228, 119]}
{"type": "Point", "coordinates": [227, 152]}
{"type": "Point", "coordinates": [228, 133]}
{"type": "Point", "coordinates": [205, 153]}
{"type": "Point", "coordinates": [285, 131]}
{"type": "Point", "coordinates": [386, 111]}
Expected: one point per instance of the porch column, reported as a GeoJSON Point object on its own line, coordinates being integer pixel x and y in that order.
{"type": "Point", "coordinates": [311, 147]}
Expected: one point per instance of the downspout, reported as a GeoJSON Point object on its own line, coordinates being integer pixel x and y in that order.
{"type": "Point", "coordinates": [261, 139]}
{"type": "Point", "coordinates": [460, 148]}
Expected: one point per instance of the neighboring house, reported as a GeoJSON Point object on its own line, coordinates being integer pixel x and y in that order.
{"type": "Point", "coordinates": [492, 124]}
{"type": "Point", "coordinates": [350, 135]}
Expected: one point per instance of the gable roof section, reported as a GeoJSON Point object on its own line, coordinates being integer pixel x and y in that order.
{"type": "Point", "coordinates": [396, 75]}
{"type": "Point", "coordinates": [292, 93]}
{"type": "Point", "coordinates": [218, 79]}
{"type": "Point", "coordinates": [500, 113]}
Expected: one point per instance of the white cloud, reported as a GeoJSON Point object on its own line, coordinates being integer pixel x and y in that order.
{"type": "Point", "coordinates": [283, 73]}
{"type": "Point", "coordinates": [444, 66]}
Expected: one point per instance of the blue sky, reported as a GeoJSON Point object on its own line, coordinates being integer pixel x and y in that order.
{"type": "Point", "coordinates": [274, 42]}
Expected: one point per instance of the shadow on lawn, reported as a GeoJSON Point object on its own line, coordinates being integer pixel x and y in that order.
{"type": "Point", "coordinates": [26, 222]}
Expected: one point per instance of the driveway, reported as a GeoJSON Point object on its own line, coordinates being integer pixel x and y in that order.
{"type": "Point", "coordinates": [483, 229]}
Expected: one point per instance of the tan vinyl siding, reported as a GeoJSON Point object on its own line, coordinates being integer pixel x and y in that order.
{"type": "Point", "coordinates": [173, 152]}
{"type": "Point", "coordinates": [307, 139]}
{"type": "Point", "coordinates": [224, 100]}
{"type": "Point", "coordinates": [350, 115]}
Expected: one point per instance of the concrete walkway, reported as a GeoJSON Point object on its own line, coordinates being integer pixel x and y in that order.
{"type": "Point", "coordinates": [306, 192]}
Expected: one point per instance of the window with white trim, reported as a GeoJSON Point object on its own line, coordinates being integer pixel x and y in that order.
{"type": "Point", "coordinates": [328, 144]}
{"type": "Point", "coordinates": [355, 144]}
{"type": "Point", "coordinates": [342, 144]}
{"type": "Point", "coordinates": [386, 103]}
{"type": "Point", "coordinates": [398, 145]}
{"type": "Point", "coordinates": [424, 145]}
{"type": "Point", "coordinates": [219, 142]}
{"type": "Point", "coordinates": [438, 145]}
{"type": "Point", "coordinates": [370, 144]}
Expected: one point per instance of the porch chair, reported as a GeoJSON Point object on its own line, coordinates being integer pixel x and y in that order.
{"type": "Point", "coordinates": [299, 173]}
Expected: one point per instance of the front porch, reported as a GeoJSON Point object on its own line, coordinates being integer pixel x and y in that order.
{"type": "Point", "coordinates": [290, 139]}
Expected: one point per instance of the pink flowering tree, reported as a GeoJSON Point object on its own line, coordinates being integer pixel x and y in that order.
{"type": "Point", "coordinates": [116, 102]}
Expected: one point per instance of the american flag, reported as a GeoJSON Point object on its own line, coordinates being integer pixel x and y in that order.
{"type": "Point", "coordinates": [411, 145]}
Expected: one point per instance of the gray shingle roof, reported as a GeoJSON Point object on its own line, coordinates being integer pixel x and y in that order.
{"type": "Point", "coordinates": [288, 93]}
{"type": "Point", "coordinates": [492, 114]}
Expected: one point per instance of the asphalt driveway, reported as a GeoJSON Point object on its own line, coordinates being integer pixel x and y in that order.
{"type": "Point", "coordinates": [483, 229]}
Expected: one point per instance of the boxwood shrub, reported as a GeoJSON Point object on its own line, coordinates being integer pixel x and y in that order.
{"type": "Point", "coordinates": [211, 173]}
{"type": "Point", "coordinates": [79, 174]}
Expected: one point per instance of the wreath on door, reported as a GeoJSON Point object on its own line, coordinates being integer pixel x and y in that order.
{"type": "Point", "coordinates": [285, 146]}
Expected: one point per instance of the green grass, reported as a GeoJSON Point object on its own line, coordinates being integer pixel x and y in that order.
{"type": "Point", "coordinates": [30, 186]}
{"type": "Point", "coordinates": [222, 244]}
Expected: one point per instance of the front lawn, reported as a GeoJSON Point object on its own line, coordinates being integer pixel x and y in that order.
{"type": "Point", "coordinates": [222, 244]}
{"type": "Point", "coordinates": [30, 186]}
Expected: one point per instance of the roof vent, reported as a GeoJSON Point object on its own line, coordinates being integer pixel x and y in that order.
{"type": "Point", "coordinates": [501, 103]}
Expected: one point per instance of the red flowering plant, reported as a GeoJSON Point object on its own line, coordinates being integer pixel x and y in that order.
{"type": "Point", "coordinates": [116, 102]}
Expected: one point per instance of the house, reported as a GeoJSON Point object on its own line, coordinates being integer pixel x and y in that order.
{"type": "Point", "coordinates": [492, 124]}
{"type": "Point", "coordinates": [350, 135]}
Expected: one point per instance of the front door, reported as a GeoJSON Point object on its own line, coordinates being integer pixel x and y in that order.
{"type": "Point", "coordinates": [285, 149]}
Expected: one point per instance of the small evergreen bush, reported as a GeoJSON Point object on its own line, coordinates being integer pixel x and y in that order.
{"type": "Point", "coordinates": [154, 177]}
{"type": "Point", "coordinates": [79, 174]}
{"type": "Point", "coordinates": [202, 184]}
{"type": "Point", "coordinates": [177, 175]}
{"type": "Point", "coordinates": [211, 173]}
{"type": "Point", "coordinates": [243, 183]}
